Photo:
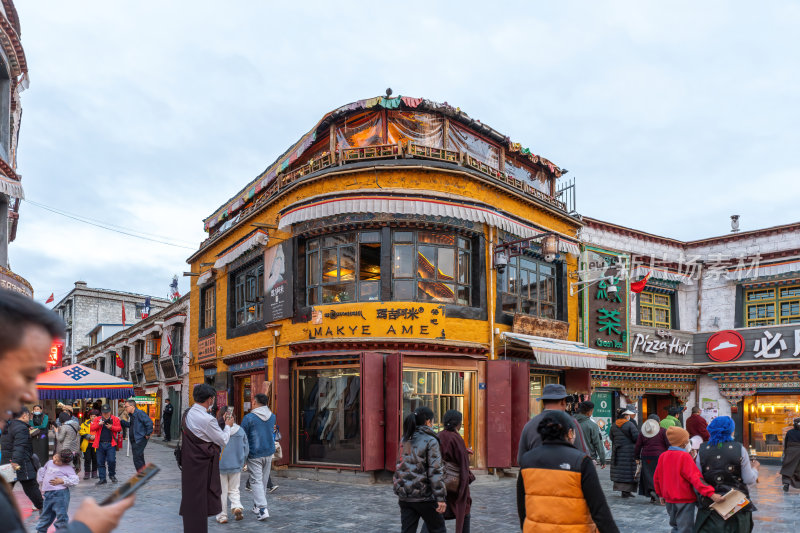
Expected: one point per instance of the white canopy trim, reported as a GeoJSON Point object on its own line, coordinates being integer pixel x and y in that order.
{"type": "Point", "coordinates": [416, 206]}
{"type": "Point", "coordinates": [660, 273]}
{"type": "Point", "coordinates": [756, 270]}
{"type": "Point", "coordinates": [559, 353]}
{"type": "Point", "coordinates": [11, 187]}
{"type": "Point", "coordinates": [205, 277]}
{"type": "Point", "coordinates": [258, 238]}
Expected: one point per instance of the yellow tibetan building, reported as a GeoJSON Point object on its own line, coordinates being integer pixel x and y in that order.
{"type": "Point", "coordinates": [381, 264]}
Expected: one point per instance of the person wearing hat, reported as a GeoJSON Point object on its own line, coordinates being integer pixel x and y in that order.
{"type": "Point", "coordinates": [553, 398]}
{"type": "Point", "coordinates": [676, 478]}
{"type": "Point", "coordinates": [623, 457]}
{"type": "Point", "coordinates": [558, 488]}
{"type": "Point", "coordinates": [652, 442]}
{"type": "Point", "coordinates": [106, 429]}
{"type": "Point", "coordinates": [672, 417]}
{"type": "Point", "coordinates": [725, 465]}
{"type": "Point", "coordinates": [790, 467]}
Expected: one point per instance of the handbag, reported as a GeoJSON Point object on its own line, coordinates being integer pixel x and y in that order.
{"type": "Point", "coordinates": [278, 451]}
{"type": "Point", "coordinates": [451, 476]}
{"type": "Point", "coordinates": [8, 473]}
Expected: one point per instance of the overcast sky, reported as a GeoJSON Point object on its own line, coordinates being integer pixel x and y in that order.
{"type": "Point", "coordinates": [149, 115]}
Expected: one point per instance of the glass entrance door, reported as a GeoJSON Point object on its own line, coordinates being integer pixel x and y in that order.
{"type": "Point", "coordinates": [537, 383]}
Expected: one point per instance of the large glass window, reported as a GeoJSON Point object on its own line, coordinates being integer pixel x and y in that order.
{"type": "Point", "coordinates": [528, 286]}
{"type": "Point", "coordinates": [345, 267]}
{"type": "Point", "coordinates": [655, 309]}
{"type": "Point", "coordinates": [430, 266]}
{"type": "Point", "coordinates": [441, 390]}
{"type": "Point", "coordinates": [329, 415]}
{"type": "Point", "coordinates": [776, 305]}
{"type": "Point", "coordinates": [248, 296]}
{"type": "Point", "coordinates": [767, 419]}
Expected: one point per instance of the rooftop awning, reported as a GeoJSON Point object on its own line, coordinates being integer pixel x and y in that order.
{"type": "Point", "coordinates": [257, 238]}
{"type": "Point", "coordinates": [555, 352]}
{"type": "Point", "coordinates": [445, 207]}
{"type": "Point", "coordinates": [11, 187]}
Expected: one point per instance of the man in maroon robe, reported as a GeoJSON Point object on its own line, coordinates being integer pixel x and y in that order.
{"type": "Point", "coordinates": [202, 442]}
{"type": "Point", "coordinates": [696, 425]}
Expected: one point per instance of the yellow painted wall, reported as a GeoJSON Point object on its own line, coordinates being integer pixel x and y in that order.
{"type": "Point", "coordinates": [383, 180]}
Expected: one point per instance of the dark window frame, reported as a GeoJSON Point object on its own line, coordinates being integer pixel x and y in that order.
{"type": "Point", "coordinates": [514, 266]}
{"type": "Point", "coordinates": [203, 329]}
{"type": "Point", "coordinates": [314, 247]}
{"type": "Point", "coordinates": [237, 330]}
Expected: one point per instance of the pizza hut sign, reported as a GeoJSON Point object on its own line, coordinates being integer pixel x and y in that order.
{"type": "Point", "coordinates": [763, 344]}
{"type": "Point", "coordinates": [660, 342]}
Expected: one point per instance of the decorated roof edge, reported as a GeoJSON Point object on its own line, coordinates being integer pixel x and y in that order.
{"type": "Point", "coordinates": [291, 155]}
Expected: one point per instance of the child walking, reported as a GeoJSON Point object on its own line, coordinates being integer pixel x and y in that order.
{"type": "Point", "coordinates": [231, 461]}
{"type": "Point", "coordinates": [56, 477]}
{"type": "Point", "coordinates": [675, 480]}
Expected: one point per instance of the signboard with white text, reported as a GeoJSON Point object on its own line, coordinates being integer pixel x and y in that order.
{"type": "Point", "coordinates": [765, 344]}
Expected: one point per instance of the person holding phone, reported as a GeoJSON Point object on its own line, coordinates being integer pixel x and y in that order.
{"type": "Point", "coordinates": [140, 427]}
{"type": "Point", "coordinates": [106, 429]}
{"type": "Point", "coordinates": [27, 330]}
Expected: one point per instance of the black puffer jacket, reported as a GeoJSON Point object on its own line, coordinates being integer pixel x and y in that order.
{"type": "Point", "coordinates": [18, 448]}
{"type": "Point", "coordinates": [623, 459]}
{"type": "Point", "coordinates": [418, 476]}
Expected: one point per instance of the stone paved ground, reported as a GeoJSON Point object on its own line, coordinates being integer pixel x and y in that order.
{"type": "Point", "coordinates": [312, 506]}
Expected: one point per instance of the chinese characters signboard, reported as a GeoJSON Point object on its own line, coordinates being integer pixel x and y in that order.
{"type": "Point", "coordinates": [389, 320]}
{"type": "Point", "coordinates": [56, 355]}
{"type": "Point", "coordinates": [605, 302]}
{"type": "Point", "coordinates": [207, 348]}
{"type": "Point", "coordinates": [766, 344]}
{"type": "Point", "coordinates": [278, 286]}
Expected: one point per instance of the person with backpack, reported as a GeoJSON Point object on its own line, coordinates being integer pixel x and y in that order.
{"type": "Point", "coordinates": [68, 437]}
{"type": "Point", "coordinates": [418, 476]}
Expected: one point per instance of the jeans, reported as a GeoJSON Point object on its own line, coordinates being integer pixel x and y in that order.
{"type": "Point", "coordinates": [259, 468]}
{"type": "Point", "coordinates": [107, 453]}
{"type": "Point", "coordinates": [56, 503]}
{"type": "Point", "coordinates": [137, 448]}
{"type": "Point", "coordinates": [681, 517]}
{"type": "Point", "coordinates": [31, 488]}
{"type": "Point", "coordinates": [230, 488]}
{"type": "Point", "coordinates": [411, 512]}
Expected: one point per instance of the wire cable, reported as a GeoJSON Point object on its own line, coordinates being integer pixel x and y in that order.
{"type": "Point", "coordinates": [111, 227]}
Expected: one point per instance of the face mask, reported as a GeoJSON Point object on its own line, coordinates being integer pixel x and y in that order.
{"type": "Point", "coordinates": [37, 413]}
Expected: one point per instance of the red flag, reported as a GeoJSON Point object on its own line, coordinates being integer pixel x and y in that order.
{"type": "Point", "coordinates": [51, 298]}
{"type": "Point", "coordinates": [638, 286]}
{"type": "Point", "coordinates": [123, 313]}
{"type": "Point", "coordinates": [120, 363]}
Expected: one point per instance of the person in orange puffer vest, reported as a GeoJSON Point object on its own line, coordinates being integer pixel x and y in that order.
{"type": "Point", "coordinates": [558, 488]}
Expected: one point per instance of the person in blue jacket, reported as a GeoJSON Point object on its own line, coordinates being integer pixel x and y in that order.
{"type": "Point", "coordinates": [140, 428]}
{"type": "Point", "coordinates": [259, 425]}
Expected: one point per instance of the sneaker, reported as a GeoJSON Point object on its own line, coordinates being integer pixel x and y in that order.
{"type": "Point", "coordinates": [101, 482]}
{"type": "Point", "coordinates": [222, 519]}
{"type": "Point", "coordinates": [273, 488]}
{"type": "Point", "coordinates": [255, 510]}
{"type": "Point", "coordinates": [94, 474]}
{"type": "Point", "coordinates": [86, 475]}
{"type": "Point", "coordinates": [785, 487]}
{"type": "Point", "coordinates": [238, 514]}
{"type": "Point", "coordinates": [247, 486]}
{"type": "Point", "coordinates": [263, 514]}
{"type": "Point", "coordinates": [113, 479]}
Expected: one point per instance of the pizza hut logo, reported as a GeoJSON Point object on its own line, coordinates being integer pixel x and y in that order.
{"type": "Point", "coordinates": [725, 346]}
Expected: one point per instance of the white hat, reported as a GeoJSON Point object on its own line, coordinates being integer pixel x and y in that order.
{"type": "Point", "coordinates": [628, 412]}
{"type": "Point", "coordinates": [696, 441]}
{"type": "Point", "coordinates": [650, 428]}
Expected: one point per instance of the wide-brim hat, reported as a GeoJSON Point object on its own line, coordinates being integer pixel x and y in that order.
{"type": "Point", "coordinates": [106, 408]}
{"type": "Point", "coordinates": [554, 391]}
{"type": "Point", "coordinates": [650, 428]}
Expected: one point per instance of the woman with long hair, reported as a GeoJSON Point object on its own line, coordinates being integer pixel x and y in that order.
{"type": "Point", "coordinates": [725, 465]}
{"type": "Point", "coordinates": [418, 475]}
{"type": "Point", "coordinates": [455, 452]}
{"type": "Point", "coordinates": [790, 468]}
{"type": "Point", "coordinates": [557, 487]}
{"type": "Point", "coordinates": [624, 434]}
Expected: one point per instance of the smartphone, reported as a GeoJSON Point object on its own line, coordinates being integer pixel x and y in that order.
{"type": "Point", "coordinates": [133, 484]}
{"type": "Point", "coordinates": [230, 410]}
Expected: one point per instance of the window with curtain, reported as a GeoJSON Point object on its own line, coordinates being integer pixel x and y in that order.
{"type": "Point", "coordinates": [345, 267]}
{"type": "Point", "coordinates": [431, 266]}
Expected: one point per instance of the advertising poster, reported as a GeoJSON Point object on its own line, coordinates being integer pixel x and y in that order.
{"type": "Point", "coordinates": [603, 413]}
{"type": "Point", "coordinates": [710, 409]}
{"type": "Point", "coordinates": [278, 285]}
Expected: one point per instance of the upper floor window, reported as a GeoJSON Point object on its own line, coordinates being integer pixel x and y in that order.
{"type": "Point", "coordinates": [153, 346]}
{"type": "Point", "coordinates": [775, 305]}
{"type": "Point", "coordinates": [248, 296]}
{"type": "Point", "coordinates": [655, 309]}
{"type": "Point", "coordinates": [429, 266]}
{"type": "Point", "coordinates": [138, 351]}
{"type": "Point", "coordinates": [345, 267]}
{"type": "Point", "coordinates": [528, 286]}
{"type": "Point", "coordinates": [176, 338]}
{"type": "Point", "coordinates": [208, 300]}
